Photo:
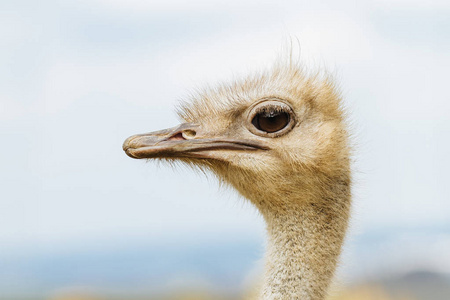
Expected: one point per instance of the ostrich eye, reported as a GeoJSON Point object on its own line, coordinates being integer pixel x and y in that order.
{"type": "Point", "coordinates": [271, 121]}
{"type": "Point", "coordinates": [271, 118]}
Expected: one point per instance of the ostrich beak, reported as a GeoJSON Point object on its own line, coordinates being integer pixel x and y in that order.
{"type": "Point", "coordinates": [184, 140]}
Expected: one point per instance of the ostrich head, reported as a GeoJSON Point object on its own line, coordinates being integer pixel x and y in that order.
{"type": "Point", "coordinates": [270, 135]}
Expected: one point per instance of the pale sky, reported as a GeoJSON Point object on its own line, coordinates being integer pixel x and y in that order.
{"type": "Point", "coordinates": [78, 77]}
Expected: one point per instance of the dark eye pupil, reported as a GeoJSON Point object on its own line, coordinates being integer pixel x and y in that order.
{"type": "Point", "coordinates": [271, 121]}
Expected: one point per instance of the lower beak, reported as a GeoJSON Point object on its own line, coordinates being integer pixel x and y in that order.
{"type": "Point", "coordinates": [183, 141]}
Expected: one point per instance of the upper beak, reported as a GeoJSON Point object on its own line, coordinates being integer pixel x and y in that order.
{"type": "Point", "coordinates": [185, 140]}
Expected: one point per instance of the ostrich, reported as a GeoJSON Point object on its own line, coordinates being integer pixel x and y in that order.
{"type": "Point", "coordinates": [280, 139]}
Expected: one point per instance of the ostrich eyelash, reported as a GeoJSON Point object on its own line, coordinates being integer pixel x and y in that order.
{"type": "Point", "coordinates": [269, 110]}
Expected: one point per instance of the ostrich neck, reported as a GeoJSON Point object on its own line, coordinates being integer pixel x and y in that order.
{"type": "Point", "coordinates": [304, 243]}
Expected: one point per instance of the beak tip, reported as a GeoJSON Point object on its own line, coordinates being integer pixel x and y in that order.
{"type": "Point", "coordinates": [126, 143]}
{"type": "Point", "coordinates": [126, 146]}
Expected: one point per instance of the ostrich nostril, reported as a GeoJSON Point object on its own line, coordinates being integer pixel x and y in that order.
{"type": "Point", "coordinates": [177, 137]}
{"type": "Point", "coordinates": [188, 134]}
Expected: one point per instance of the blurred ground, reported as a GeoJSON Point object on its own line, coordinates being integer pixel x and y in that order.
{"type": "Point", "coordinates": [414, 286]}
{"type": "Point", "coordinates": [358, 292]}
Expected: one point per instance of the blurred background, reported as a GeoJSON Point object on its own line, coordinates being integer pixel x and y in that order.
{"type": "Point", "coordinates": [81, 220]}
